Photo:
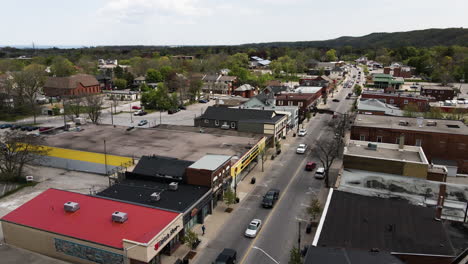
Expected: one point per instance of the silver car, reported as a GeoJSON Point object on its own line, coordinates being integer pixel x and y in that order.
{"type": "Point", "coordinates": [253, 228]}
{"type": "Point", "coordinates": [301, 149]}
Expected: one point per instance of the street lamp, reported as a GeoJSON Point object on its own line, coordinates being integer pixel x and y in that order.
{"type": "Point", "coordinates": [261, 250]}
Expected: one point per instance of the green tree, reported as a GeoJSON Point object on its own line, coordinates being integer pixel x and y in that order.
{"type": "Point", "coordinates": [229, 197]}
{"type": "Point", "coordinates": [330, 55]}
{"type": "Point", "coordinates": [120, 84]}
{"type": "Point", "coordinates": [166, 72]}
{"type": "Point", "coordinates": [88, 65]}
{"type": "Point", "coordinates": [314, 209]}
{"type": "Point", "coordinates": [62, 67]}
{"type": "Point", "coordinates": [357, 89]}
{"type": "Point", "coordinates": [190, 238]}
{"type": "Point", "coordinates": [153, 76]}
{"type": "Point", "coordinates": [118, 72]}
{"type": "Point", "coordinates": [435, 112]}
{"type": "Point", "coordinates": [411, 110]}
{"type": "Point", "coordinates": [195, 89]}
{"type": "Point", "coordinates": [144, 87]}
{"type": "Point", "coordinates": [295, 256]}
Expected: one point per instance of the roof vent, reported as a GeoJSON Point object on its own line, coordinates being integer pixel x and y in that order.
{"type": "Point", "coordinates": [173, 186]}
{"type": "Point", "coordinates": [155, 196]}
{"type": "Point", "coordinates": [372, 146]}
{"type": "Point", "coordinates": [403, 123]}
{"type": "Point", "coordinates": [71, 206]}
{"type": "Point", "coordinates": [374, 250]}
{"type": "Point", "coordinates": [431, 123]}
{"type": "Point", "coordinates": [119, 217]}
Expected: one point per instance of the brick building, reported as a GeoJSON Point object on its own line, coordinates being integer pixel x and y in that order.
{"type": "Point", "coordinates": [440, 139]}
{"type": "Point", "coordinates": [399, 99]}
{"type": "Point", "coordinates": [440, 93]}
{"type": "Point", "coordinates": [79, 84]}
{"type": "Point", "coordinates": [304, 101]}
{"type": "Point", "coordinates": [404, 72]}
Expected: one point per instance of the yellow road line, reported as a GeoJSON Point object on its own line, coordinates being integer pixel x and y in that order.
{"type": "Point", "coordinates": [273, 210]}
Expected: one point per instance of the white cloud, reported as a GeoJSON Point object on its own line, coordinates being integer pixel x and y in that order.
{"type": "Point", "coordinates": [139, 11]}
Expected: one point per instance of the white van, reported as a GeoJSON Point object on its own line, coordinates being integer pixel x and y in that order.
{"type": "Point", "coordinates": [320, 173]}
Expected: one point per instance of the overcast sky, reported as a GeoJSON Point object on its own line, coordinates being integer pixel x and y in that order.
{"type": "Point", "coordinates": [211, 22]}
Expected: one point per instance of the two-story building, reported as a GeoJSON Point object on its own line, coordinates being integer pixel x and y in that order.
{"type": "Point", "coordinates": [244, 120]}
{"type": "Point", "coordinates": [440, 93]}
{"type": "Point", "coordinates": [400, 99]}
{"type": "Point", "coordinates": [305, 101]}
{"type": "Point", "coordinates": [75, 85]}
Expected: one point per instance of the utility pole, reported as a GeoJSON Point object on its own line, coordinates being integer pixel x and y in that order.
{"type": "Point", "coordinates": [299, 238]}
{"type": "Point", "coordinates": [160, 117]}
{"type": "Point", "coordinates": [112, 116]}
{"type": "Point", "coordinates": [105, 156]}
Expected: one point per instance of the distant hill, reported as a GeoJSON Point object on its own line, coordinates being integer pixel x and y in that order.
{"type": "Point", "coordinates": [418, 38]}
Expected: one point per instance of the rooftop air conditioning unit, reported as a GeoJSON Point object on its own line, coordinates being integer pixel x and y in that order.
{"type": "Point", "coordinates": [71, 206]}
{"type": "Point", "coordinates": [173, 186]}
{"type": "Point", "coordinates": [119, 217]}
{"type": "Point", "coordinates": [155, 196]}
{"type": "Point", "coordinates": [431, 123]}
{"type": "Point", "coordinates": [403, 123]}
{"type": "Point", "coordinates": [372, 146]}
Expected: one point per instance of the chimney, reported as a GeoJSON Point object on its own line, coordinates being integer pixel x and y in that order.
{"type": "Point", "coordinates": [401, 142]}
{"type": "Point", "coordinates": [440, 202]}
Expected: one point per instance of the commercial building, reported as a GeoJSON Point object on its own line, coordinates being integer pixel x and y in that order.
{"type": "Point", "coordinates": [244, 120]}
{"type": "Point", "coordinates": [400, 99]}
{"type": "Point", "coordinates": [348, 256]}
{"type": "Point", "coordinates": [440, 139]}
{"type": "Point", "coordinates": [397, 70]}
{"type": "Point", "coordinates": [377, 107]}
{"type": "Point", "coordinates": [79, 84]}
{"type": "Point", "coordinates": [440, 93]}
{"type": "Point", "coordinates": [245, 90]}
{"type": "Point", "coordinates": [305, 101]}
{"type": "Point", "coordinates": [85, 229]}
{"type": "Point", "coordinates": [409, 232]}
{"type": "Point", "coordinates": [387, 82]}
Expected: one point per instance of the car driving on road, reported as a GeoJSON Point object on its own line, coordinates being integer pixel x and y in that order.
{"type": "Point", "coordinates": [302, 132]}
{"type": "Point", "coordinates": [301, 149]}
{"type": "Point", "coordinates": [143, 122]}
{"type": "Point", "coordinates": [270, 198]}
{"type": "Point", "coordinates": [320, 173]}
{"type": "Point", "coordinates": [228, 256]}
{"type": "Point", "coordinates": [253, 228]}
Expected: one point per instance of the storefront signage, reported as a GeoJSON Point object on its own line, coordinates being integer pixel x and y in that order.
{"type": "Point", "coordinates": [194, 212]}
{"type": "Point", "coordinates": [166, 237]}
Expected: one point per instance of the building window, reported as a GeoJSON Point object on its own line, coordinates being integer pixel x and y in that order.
{"type": "Point", "coordinates": [206, 121]}
{"type": "Point", "coordinates": [216, 122]}
{"type": "Point", "coordinates": [280, 102]}
{"type": "Point", "coordinates": [379, 139]}
{"type": "Point", "coordinates": [461, 146]}
{"type": "Point", "coordinates": [418, 142]}
{"type": "Point", "coordinates": [405, 102]}
{"type": "Point", "coordinates": [362, 138]}
{"type": "Point", "coordinates": [233, 124]}
{"type": "Point", "coordinates": [441, 92]}
{"type": "Point", "coordinates": [397, 140]}
{"type": "Point", "coordinates": [443, 144]}
{"type": "Point", "coordinates": [290, 103]}
{"type": "Point", "coordinates": [392, 101]}
{"type": "Point", "coordinates": [300, 104]}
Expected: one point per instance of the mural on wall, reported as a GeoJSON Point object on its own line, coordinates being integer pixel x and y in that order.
{"type": "Point", "coordinates": [88, 253]}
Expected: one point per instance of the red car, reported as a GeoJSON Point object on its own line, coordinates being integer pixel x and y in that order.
{"type": "Point", "coordinates": [310, 166]}
{"type": "Point", "coordinates": [136, 107]}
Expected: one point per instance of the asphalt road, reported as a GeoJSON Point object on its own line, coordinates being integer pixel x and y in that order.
{"type": "Point", "coordinates": [280, 224]}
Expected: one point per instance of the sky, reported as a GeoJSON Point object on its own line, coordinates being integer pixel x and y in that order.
{"type": "Point", "coordinates": [215, 22]}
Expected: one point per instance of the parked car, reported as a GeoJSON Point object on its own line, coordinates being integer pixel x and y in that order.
{"type": "Point", "coordinates": [182, 107]}
{"type": "Point", "coordinates": [136, 107]}
{"type": "Point", "coordinates": [140, 113]}
{"type": "Point", "coordinates": [227, 256]}
{"type": "Point", "coordinates": [270, 198]}
{"type": "Point", "coordinates": [203, 101]}
{"type": "Point", "coordinates": [320, 173]}
{"type": "Point", "coordinates": [3, 126]}
{"type": "Point", "coordinates": [301, 149]}
{"type": "Point", "coordinates": [335, 100]}
{"type": "Point", "coordinates": [302, 132]}
{"type": "Point", "coordinates": [14, 127]}
{"type": "Point", "coordinates": [42, 129]}
{"type": "Point", "coordinates": [31, 128]}
{"type": "Point", "coordinates": [173, 111]}
{"type": "Point", "coordinates": [143, 122]}
{"type": "Point", "coordinates": [310, 166]}
{"type": "Point", "coordinates": [253, 228]}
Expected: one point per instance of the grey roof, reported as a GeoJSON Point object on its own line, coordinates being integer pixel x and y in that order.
{"type": "Point", "coordinates": [158, 166]}
{"type": "Point", "coordinates": [140, 78]}
{"type": "Point", "coordinates": [277, 89]}
{"type": "Point", "coordinates": [71, 82]}
{"type": "Point", "coordinates": [392, 122]}
{"type": "Point", "coordinates": [236, 114]}
{"type": "Point", "coordinates": [393, 225]}
{"type": "Point", "coordinates": [211, 77]}
{"type": "Point", "coordinates": [377, 105]}
{"type": "Point", "coordinates": [348, 256]}
{"type": "Point", "coordinates": [436, 87]}
{"type": "Point", "coordinates": [210, 162]}
{"type": "Point", "coordinates": [245, 87]}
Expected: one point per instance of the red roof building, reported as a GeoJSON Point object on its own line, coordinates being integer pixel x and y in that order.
{"type": "Point", "coordinates": [91, 226]}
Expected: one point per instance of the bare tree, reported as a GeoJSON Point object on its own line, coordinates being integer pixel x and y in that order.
{"type": "Point", "coordinates": [74, 105]}
{"type": "Point", "coordinates": [16, 150]}
{"type": "Point", "coordinates": [94, 106]}
{"type": "Point", "coordinates": [29, 83]}
{"type": "Point", "coordinates": [328, 151]}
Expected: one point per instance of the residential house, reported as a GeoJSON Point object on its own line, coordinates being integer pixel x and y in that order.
{"type": "Point", "coordinates": [376, 224]}
{"type": "Point", "coordinates": [244, 120]}
{"type": "Point", "coordinates": [440, 139]}
{"type": "Point", "coordinates": [257, 62]}
{"type": "Point", "coordinates": [246, 91]}
{"type": "Point", "coordinates": [138, 81]}
{"type": "Point", "coordinates": [336, 73]}
{"type": "Point", "coordinates": [105, 82]}
{"type": "Point", "coordinates": [377, 107]}
{"type": "Point", "coordinates": [387, 82]}
{"type": "Point", "coordinates": [400, 99]}
{"type": "Point", "coordinates": [361, 60]}
{"type": "Point", "coordinates": [440, 93]}
{"type": "Point", "coordinates": [183, 57]}
{"type": "Point", "coordinates": [79, 84]}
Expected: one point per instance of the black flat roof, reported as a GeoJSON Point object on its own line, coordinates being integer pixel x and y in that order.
{"type": "Point", "coordinates": [157, 166]}
{"type": "Point", "coordinates": [138, 191]}
{"type": "Point", "coordinates": [393, 225]}
{"type": "Point", "coordinates": [348, 256]}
